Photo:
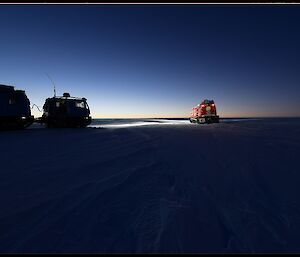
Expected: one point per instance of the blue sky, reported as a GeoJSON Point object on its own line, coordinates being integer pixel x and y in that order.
{"type": "Point", "coordinates": [156, 60]}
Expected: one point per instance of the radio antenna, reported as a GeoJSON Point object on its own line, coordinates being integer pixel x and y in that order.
{"type": "Point", "coordinates": [53, 84]}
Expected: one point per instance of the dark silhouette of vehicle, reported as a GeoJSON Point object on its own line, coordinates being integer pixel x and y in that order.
{"type": "Point", "coordinates": [206, 112]}
{"type": "Point", "coordinates": [66, 111]}
{"type": "Point", "coordinates": [15, 112]}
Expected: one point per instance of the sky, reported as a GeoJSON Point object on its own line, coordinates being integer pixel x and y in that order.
{"type": "Point", "coordinates": [145, 61]}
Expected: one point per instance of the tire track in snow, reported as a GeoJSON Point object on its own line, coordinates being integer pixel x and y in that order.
{"type": "Point", "coordinates": [88, 198]}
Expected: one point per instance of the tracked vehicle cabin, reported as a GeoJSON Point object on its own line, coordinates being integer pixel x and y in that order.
{"type": "Point", "coordinates": [206, 112]}
{"type": "Point", "coordinates": [66, 111]}
{"type": "Point", "coordinates": [15, 112]}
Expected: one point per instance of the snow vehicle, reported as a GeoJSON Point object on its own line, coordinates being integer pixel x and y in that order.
{"type": "Point", "coordinates": [66, 111]}
{"type": "Point", "coordinates": [206, 112]}
{"type": "Point", "coordinates": [15, 112]}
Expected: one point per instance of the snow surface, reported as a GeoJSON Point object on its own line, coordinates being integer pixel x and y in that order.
{"type": "Point", "coordinates": [170, 186]}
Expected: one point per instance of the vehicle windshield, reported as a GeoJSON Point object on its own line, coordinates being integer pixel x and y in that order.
{"type": "Point", "coordinates": [208, 102]}
{"type": "Point", "coordinates": [87, 106]}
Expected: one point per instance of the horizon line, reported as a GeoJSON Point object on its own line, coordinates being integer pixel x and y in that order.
{"type": "Point", "coordinates": [266, 117]}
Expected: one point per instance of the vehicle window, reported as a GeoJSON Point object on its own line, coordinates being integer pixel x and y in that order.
{"type": "Point", "coordinates": [11, 101]}
{"type": "Point", "coordinates": [80, 104]}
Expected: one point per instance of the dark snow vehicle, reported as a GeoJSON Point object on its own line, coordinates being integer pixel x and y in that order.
{"type": "Point", "coordinates": [15, 112]}
{"type": "Point", "coordinates": [206, 112]}
{"type": "Point", "coordinates": [66, 111]}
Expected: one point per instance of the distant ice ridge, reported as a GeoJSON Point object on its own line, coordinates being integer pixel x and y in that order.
{"type": "Point", "coordinates": [235, 120]}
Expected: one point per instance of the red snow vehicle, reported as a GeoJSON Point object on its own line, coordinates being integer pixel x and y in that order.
{"type": "Point", "coordinates": [205, 112]}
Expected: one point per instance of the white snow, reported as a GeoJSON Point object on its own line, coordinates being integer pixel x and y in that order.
{"type": "Point", "coordinates": [142, 123]}
{"type": "Point", "coordinates": [164, 186]}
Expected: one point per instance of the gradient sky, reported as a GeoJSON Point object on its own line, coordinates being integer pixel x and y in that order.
{"type": "Point", "coordinates": [156, 60]}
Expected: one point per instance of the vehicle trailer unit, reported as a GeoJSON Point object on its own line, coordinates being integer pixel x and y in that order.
{"type": "Point", "coordinates": [15, 112]}
{"type": "Point", "coordinates": [206, 112]}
